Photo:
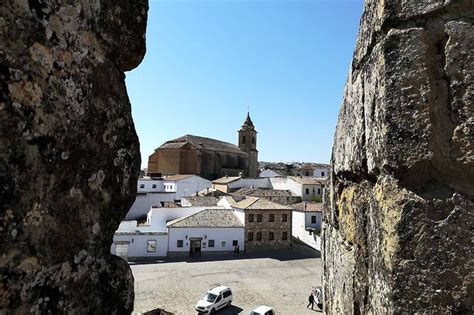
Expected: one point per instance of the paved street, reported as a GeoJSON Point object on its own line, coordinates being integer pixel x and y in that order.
{"type": "Point", "coordinates": [283, 281]}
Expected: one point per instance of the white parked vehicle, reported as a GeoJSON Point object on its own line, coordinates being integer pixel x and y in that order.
{"type": "Point", "coordinates": [263, 310]}
{"type": "Point", "coordinates": [215, 299]}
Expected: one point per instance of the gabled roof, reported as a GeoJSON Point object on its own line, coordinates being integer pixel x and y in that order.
{"type": "Point", "coordinates": [202, 143]}
{"type": "Point", "coordinates": [254, 203]}
{"type": "Point", "coordinates": [261, 192]}
{"type": "Point", "coordinates": [208, 218]}
{"type": "Point", "coordinates": [308, 206]}
{"type": "Point", "coordinates": [308, 180]}
{"type": "Point", "coordinates": [178, 177]}
{"type": "Point", "coordinates": [225, 179]}
{"type": "Point", "coordinates": [202, 201]}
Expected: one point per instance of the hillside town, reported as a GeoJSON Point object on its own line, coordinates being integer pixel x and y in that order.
{"type": "Point", "coordinates": [205, 197]}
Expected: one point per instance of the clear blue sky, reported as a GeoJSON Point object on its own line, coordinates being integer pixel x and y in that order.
{"type": "Point", "coordinates": [207, 61]}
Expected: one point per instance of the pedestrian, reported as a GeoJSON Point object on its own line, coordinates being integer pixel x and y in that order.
{"type": "Point", "coordinates": [311, 301]}
{"type": "Point", "coordinates": [238, 249]}
{"type": "Point", "coordinates": [319, 298]}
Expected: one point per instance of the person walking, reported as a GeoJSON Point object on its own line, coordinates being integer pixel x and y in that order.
{"type": "Point", "coordinates": [319, 298]}
{"type": "Point", "coordinates": [311, 301]}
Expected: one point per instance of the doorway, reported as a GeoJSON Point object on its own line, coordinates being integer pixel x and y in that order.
{"type": "Point", "coordinates": [121, 249]}
{"type": "Point", "coordinates": [195, 247]}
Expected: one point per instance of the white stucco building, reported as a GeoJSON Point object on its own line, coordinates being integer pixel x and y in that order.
{"type": "Point", "coordinates": [154, 192]}
{"type": "Point", "coordinates": [130, 242]}
{"type": "Point", "coordinates": [306, 187]}
{"type": "Point", "coordinates": [179, 231]}
{"type": "Point", "coordinates": [206, 232]}
{"type": "Point", "coordinates": [306, 223]}
{"type": "Point", "coordinates": [321, 170]}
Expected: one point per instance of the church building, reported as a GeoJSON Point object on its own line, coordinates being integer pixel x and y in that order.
{"type": "Point", "coordinates": [206, 157]}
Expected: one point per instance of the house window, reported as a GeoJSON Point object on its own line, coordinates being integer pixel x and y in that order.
{"type": "Point", "coordinates": [313, 219]}
{"type": "Point", "coordinates": [259, 218]}
{"type": "Point", "coordinates": [284, 217]}
{"type": "Point", "coordinates": [223, 243]}
{"type": "Point", "coordinates": [235, 242]}
{"type": "Point", "coordinates": [250, 217]}
{"type": "Point", "coordinates": [284, 236]}
{"type": "Point", "coordinates": [142, 185]}
{"type": "Point", "coordinates": [322, 174]}
{"type": "Point", "coordinates": [210, 243]}
{"type": "Point", "coordinates": [319, 191]}
{"type": "Point", "coordinates": [179, 243]}
{"type": "Point", "coordinates": [307, 173]}
{"type": "Point", "coordinates": [151, 246]}
{"type": "Point", "coordinates": [259, 236]}
{"type": "Point", "coordinates": [153, 186]}
{"type": "Point", "coordinates": [272, 218]}
{"type": "Point", "coordinates": [250, 236]}
{"type": "Point", "coordinates": [307, 191]}
{"type": "Point", "coordinates": [271, 236]}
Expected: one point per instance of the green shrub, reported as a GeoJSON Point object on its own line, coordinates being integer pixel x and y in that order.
{"type": "Point", "coordinates": [316, 199]}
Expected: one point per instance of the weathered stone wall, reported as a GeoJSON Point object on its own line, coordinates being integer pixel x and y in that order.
{"type": "Point", "coordinates": [69, 154]}
{"type": "Point", "coordinates": [264, 227]}
{"type": "Point", "coordinates": [398, 233]}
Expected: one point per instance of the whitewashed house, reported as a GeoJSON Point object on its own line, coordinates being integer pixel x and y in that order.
{"type": "Point", "coordinates": [308, 188]}
{"type": "Point", "coordinates": [185, 185]}
{"type": "Point", "coordinates": [206, 232]}
{"type": "Point", "coordinates": [306, 223]}
{"type": "Point", "coordinates": [130, 242]}
{"type": "Point", "coordinates": [321, 170]}
{"type": "Point", "coordinates": [153, 192]}
{"type": "Point", "coordinates": [149, 240]}
{"type": "Point", "coordinates": [201, 230]}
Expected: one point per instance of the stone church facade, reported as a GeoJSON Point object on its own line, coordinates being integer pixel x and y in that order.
{"type": "Point", "coordinates": [206, 157]}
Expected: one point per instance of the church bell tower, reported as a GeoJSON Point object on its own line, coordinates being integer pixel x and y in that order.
{"type": "Point", "coordinates": [248, 143]}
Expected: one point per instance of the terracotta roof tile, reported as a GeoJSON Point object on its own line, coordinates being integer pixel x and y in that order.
{"type": "Point", "coordinates": [209, 218]}
{"type": "Point", "coordinates": [308, 180]}
{"type": "Point", "coordinates": [259, 204]}
{"type": "Point", "coordinates": [203, 143]}
{"type": "Point", "coordinates": [308, 206]}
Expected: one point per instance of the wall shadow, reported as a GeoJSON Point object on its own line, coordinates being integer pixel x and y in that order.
{"type": "Point", "coordinates": [296, 252]}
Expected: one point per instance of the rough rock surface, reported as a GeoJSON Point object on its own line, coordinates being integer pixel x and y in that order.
{"type": "Point", "coordinates": [398, 233]}
{"type": "Point", "coordinates": [69, 153]}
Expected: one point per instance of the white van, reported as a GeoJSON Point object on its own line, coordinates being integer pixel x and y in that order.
{"type": "Point", "coordinates": [263, 310]}
{"type": "Point", "coordinates": [215, 299]}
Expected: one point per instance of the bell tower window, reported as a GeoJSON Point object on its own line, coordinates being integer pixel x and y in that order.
{"type": "Point", "coordinates": [244, 140]}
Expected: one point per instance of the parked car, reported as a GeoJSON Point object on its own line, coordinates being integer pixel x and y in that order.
{"type": "Point", "coordinates": [215, 299]}
{"type": "Point", "coordinates": [263, 310]}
